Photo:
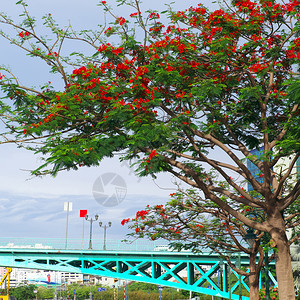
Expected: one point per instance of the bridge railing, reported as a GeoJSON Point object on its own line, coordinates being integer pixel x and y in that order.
{"type": "Point", "coordinates": [80, 244]}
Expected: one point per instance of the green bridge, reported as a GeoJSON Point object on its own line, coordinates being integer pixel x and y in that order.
{"type": "Point", "coordinates": [204, 273]}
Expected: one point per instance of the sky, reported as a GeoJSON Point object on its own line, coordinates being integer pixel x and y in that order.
{"type": "Point", "coordinates": [34, 207]}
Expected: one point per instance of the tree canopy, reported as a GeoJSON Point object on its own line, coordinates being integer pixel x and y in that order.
{"type": "Point", "coordinates": [197, 92]}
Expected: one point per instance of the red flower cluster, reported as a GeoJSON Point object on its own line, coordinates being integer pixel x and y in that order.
{"type": "Point", "coordinates": [294, 51]}
{"type": "Point", "coordinates": [82, 71]}
{"type": "Point", "coordinates": [135, 14]}
{"type": "Point", "coordinates": [141, 214]}
{"type": "Point", "coordinates": [117, 51]}
{"type": "Point", "coordinates": [292, 5]}
{"type": "Point", "coordinates": [157, 28]}
{"type": "Point", "coordinates": [151, 155]}
{"type": "Point", "coordinates": [104, 46]}
{"type": "Point", "coordinates": [245, 5]}
{"type": "Point", "coordinates": [48, 118]}
{"type": "Point", "coordinates": [23, 34]}
{"type": "Point", "coordinates": [107, 31]}
{"type": "Point", "coordinates": [55, 54]}
{"type": "Point", "coordinates": [124, 221]}
{"type": "Point", "coordinates": [214, 30]}
{"type": "Point", "coordinates": [257, 68]}
{"type": "Point", "coordinates": [154, 16]}
{"type": "Point", "coordinates": [159, 206]}
{"type": "Point", "coordinates": [121, 21]}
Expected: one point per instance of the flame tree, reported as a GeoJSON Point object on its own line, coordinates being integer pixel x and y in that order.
{"type": "Point", "coordinates": [188, 221]}
{"type": "Point", "coordinates": [193, 93]}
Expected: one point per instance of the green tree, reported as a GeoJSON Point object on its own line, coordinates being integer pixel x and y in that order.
{"type": "Point", "coordinates": [148, 290]}
{"type": "Point", "coordinates": [24, 292]}
{"type": "Point", "coordinates": [189, 222]}
{"type": "Point", "coordinates": [194, 94]}
{"type": "Point", "coordinates": [45, 293]}
{"type": "Point", "coordinates": [142, 286]}
{"type": "Point", "coordinates": [82, 293]}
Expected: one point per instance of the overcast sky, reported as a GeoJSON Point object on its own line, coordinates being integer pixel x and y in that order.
{"type": "Point", "coordinates": [33, 207]}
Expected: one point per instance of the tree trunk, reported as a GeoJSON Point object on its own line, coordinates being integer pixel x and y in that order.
{"type": "Point", "coordinates": [284, 272]}
{"type": "Point", "coordinates": [254, 289]}
{"type": "Point", "coordinates": [254, 277]}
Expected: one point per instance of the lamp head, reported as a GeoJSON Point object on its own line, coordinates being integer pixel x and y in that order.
{"type": "Point", "coordinates": [100, 224]}
{"type": "Point", "coordinates": [109, 224]}
{"type": "Point", "coordinates": [96, 217]}
{"type": "Point", "coordinates": [250, 237]}
{"type": "Point", "coordinates": [86, 216]}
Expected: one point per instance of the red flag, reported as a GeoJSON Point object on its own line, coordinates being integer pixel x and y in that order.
{"type": "Point", "coordinates": [83, 212]}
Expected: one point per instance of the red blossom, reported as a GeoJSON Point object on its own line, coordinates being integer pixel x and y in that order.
{"type": "Point", "coordinates": [141, 214]}
{"type": "Point", "coordinates": [117, 51]}
{"type": "Point", "coordinates": [121, 21]}
{"type": "Point", "coordinates": [23, 34]}
{"type": "Point", "coordinates": [151, 155]}
{"type": "Point", "coordinates": [135, 14]}
{"type": "Point", "coordinates": [107, 30]}
{"type": "Point", "coordinates": [124, 221]}
{"type": "Point", "coordinates": [154, 15]}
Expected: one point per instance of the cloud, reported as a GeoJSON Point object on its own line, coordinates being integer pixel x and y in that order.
{"type": "Point", "coordinates": [39, 218]}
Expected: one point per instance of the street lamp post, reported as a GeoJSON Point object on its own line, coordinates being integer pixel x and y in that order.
{"type": "Point", "coordinates": [104, 227]}
{"type": "Point", "coordinates": [91, 220]}
{"type": "Point", "coordinates": [159, 289]}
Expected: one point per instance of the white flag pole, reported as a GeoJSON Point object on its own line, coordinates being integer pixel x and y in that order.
{"type": "Point", "coordinates": [67, 207]}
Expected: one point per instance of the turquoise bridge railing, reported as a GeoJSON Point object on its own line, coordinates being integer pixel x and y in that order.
{"type": "Point", "coordinates": [204, 273]}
